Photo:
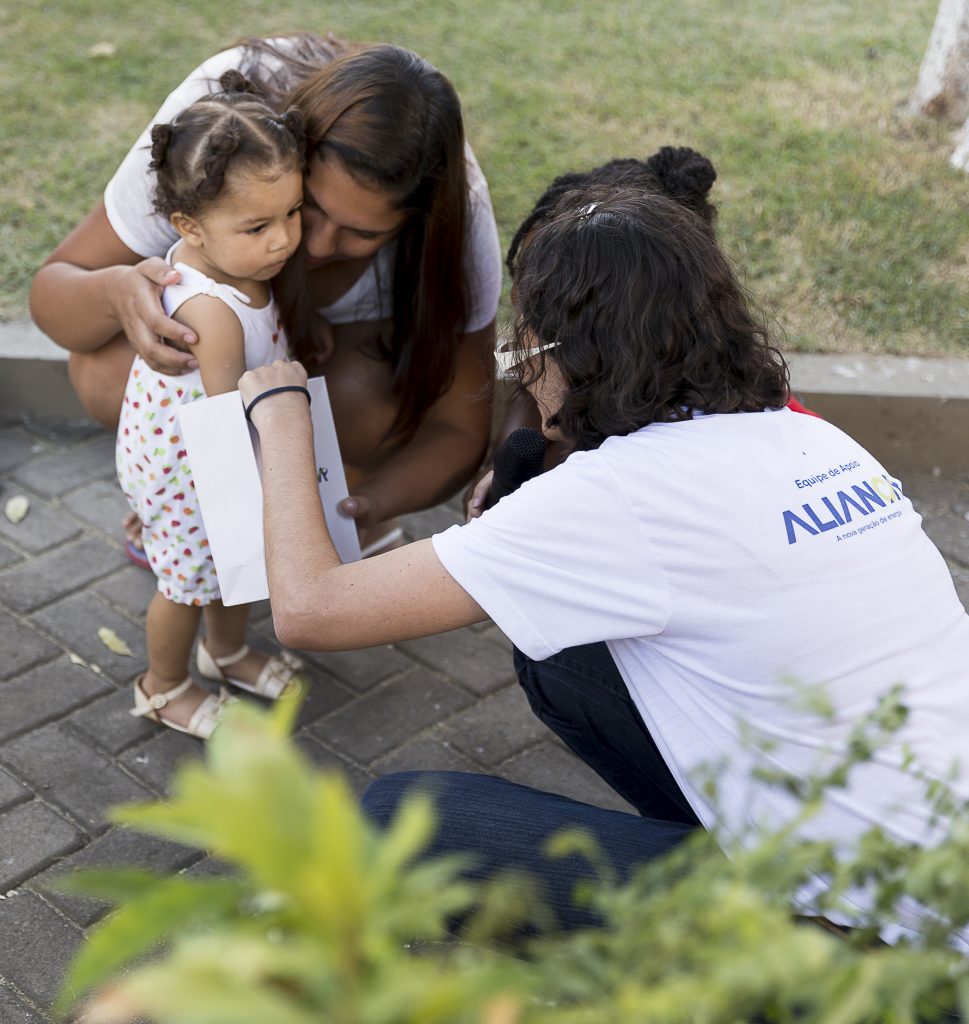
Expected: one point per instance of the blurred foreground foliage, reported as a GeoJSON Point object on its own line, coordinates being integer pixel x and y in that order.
{"type": "Point", "coordinates": [319, 917]}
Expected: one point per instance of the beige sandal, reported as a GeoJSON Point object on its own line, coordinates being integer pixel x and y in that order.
{"type": "Point", "coordinates": [279, 676]}
{"type": "Point", "coordinates": [204, 719]}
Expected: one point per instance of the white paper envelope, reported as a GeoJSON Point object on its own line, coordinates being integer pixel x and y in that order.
{"type": "Point", "coordinates": [223, 453]}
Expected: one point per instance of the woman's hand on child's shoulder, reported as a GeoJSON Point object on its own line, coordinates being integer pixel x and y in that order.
{"type": "Point", "coordinates": [136, 296]}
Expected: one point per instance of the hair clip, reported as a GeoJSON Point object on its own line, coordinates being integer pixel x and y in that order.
{"type": "Point", "coordinates": [588, 210]}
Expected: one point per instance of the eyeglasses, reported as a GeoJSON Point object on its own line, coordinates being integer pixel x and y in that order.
{"type": "Point", "coordinates": [509, 358]}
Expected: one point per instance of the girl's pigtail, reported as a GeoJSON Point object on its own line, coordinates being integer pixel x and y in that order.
{"type": "Point", "coordinates": [221, 148]}
{"type": "Point", "coordinates": [234, 82]}
{"type": "Point", "coordinates": [161, 136]}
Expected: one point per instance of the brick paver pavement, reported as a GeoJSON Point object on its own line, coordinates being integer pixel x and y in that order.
{"type": "Point", "coordinates": [69, 750]}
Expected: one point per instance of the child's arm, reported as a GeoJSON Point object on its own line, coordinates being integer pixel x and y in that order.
{"type": "Point", "coordinates": [221, 350]}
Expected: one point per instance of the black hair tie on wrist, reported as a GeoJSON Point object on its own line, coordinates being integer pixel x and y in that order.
{"type": "Point", "coordinates": [276, 391]}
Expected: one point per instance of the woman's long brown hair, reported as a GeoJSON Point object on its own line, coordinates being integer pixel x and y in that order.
{"type": "Point", "coordinates": [394, 122]}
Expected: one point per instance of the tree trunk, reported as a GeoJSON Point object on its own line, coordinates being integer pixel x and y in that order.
{"type": "Point", "coordinates": [960, 153]}
{"type": "Point", "coordinates": [943, 86]}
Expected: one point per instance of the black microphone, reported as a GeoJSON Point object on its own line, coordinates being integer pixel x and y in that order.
{"type": "Point", "coordinates": [520, 457]}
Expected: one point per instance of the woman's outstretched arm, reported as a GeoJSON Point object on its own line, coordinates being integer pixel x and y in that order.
{"type": "Point", "coordinates": [318, 603]}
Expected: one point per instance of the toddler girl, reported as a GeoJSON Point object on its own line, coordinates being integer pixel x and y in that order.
{"type": "Point", "coordinates": [229, 178]}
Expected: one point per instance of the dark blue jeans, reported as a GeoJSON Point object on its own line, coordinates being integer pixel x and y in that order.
{"type": "Point", "coordinates": [505, 826]}
{"type": "Point", "coordinates": [580, 695]}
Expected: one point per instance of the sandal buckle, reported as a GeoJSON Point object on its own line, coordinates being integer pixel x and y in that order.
{"type": "Point", "coordinates": [157, 701]}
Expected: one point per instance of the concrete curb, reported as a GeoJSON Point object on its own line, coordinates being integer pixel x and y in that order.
{"type": "Point", "coordinates": [911, 413]}
{"type": "Point", "coordinates": [33, 374]}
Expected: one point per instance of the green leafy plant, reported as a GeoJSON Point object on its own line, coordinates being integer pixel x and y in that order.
{"type": "Point", "coordinates": [320, 917]}
{"type": "Point", "coordinates": [315, 918]}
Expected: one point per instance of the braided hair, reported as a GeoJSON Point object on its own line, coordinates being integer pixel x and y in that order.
{"type": "Point", "coordinates": [677, 172]}
{"type": "Point", "coordinates": [230, 129]}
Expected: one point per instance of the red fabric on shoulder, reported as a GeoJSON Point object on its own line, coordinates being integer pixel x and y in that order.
{"type": "Point", "coordinates": [795, 406]}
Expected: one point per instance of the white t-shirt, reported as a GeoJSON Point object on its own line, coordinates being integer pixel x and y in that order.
{"type": "Point", "coordinates": [128, 201]}
{"type": "Point", "coordinates": [723, 559]}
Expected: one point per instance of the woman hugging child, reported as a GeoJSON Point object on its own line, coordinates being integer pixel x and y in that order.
{"type": "Point", "coordinates": [229, 179]}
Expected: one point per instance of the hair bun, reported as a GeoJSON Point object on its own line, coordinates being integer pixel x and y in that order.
{"type": "Point", "coordinates": [233, 81]}
{"type": "Point", "coordinates": [161, 136]}
{"type": "Point", "coordinates": [683, 171]}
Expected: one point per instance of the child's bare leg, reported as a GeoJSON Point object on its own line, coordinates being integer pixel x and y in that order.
{"type": "Point", "coordinates": [171, 630]}
{"type": "Point", "coordinates": [225, 633]}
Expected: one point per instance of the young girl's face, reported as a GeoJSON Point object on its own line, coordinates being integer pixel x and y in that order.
{"type": "Point", "coordinates": [253, 227]}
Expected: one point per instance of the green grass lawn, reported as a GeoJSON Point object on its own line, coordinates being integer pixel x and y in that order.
{"type": "Point", "coordinates": [843, 213]}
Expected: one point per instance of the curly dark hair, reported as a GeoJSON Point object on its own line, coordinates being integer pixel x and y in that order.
{"type": "Point", "coordinates": [233, 128]}
{"type": "Point", "coordinates": [648, 319]}
{"type": "Point", "coordinates": [679, 172]}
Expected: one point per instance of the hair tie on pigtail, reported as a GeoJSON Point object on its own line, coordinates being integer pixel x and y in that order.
{"type": "Point", "coordinates": [161, 136]}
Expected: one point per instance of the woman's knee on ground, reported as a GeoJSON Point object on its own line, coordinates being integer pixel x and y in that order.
{"type": "Point", "coordinates": [382, 798]}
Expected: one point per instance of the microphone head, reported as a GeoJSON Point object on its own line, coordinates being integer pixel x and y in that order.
{"type": "Point", "coordinates": [520, 457]}
{"type": "Point", "coordinates": [523, 447]}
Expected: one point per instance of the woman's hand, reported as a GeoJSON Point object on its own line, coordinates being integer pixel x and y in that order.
{"type": "Point", "coordinates": [476, 495]}
{"type": "Point", "coordinates": [362, 509]}
{"type": "Point", "coordinates": [283, 373]}
{"type": "Point", "coordinates": [137, 306]}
